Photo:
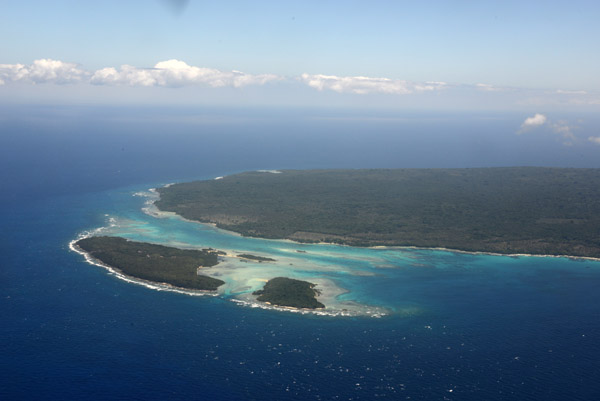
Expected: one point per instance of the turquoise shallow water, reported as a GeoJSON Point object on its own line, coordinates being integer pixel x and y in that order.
{"type": "Point", "coordinates": [355, 281]}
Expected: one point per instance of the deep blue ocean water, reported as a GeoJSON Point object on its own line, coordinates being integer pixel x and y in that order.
{"type": "Point", "coordinates": [483, 327]}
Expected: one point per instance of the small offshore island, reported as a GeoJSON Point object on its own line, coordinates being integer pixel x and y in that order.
{"type": "Point", "coordinates": [508, 210]}
{"type": "Point", "coordinates": [259, 259]}
{"type": "Point", "coordinates": [283, 291]}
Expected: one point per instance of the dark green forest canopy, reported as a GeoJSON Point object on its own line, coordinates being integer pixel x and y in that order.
{"type": "Point", "coordinates": [256, 258]}
{"type": "Point", "coordinates": [505, 210]}
{"type": "Point", "coordinates": [155, 263]}
{"type": "Point", "coordinates": [283, 291]}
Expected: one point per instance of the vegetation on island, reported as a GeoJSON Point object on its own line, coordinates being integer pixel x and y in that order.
{"type": "Point", "coordinates": [157, 263]}
{"type": "Point", "coordinates": [505, 210]}
{"type": "Point", "coordinates": [256, 258]}
{"type": "Point", "coordinates": [283, 291]}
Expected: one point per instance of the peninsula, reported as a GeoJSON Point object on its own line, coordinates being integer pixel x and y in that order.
{"type": "Point", "coordinates": [513, 210]}
{"type": "Point", "coordinates": [157, 263]}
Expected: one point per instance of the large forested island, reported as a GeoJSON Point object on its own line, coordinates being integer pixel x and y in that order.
{"type": "Point", "coordinates": [157, 263]}
{"type": "Point", "coordinates": [553, 211]}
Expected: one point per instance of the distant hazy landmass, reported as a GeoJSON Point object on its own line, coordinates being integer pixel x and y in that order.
{"type": "Point", "coordinates": [553, 211]}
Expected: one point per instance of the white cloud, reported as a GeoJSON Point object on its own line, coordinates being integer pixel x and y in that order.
{"type": "Point", "coordinates": [570, 92]}
{"type": "Point", "coordinates": [364, 85]}
{"type": "Point", "coordinates": [491, 88]}
{"type": "Point", "coordinates": [563, 129]}
{"type": "Point", "coordinates": [532, 122]}
{"type": "Point", "coordinates": [171, 73]}
{"type": "Point", "coordinates": [594, 139]}
{"type": "Point", "coordinates": [485, 87]}
{"type": "Point", "coordinates": [535, 121]}
{"type": "Point", "coordinates": [574, 97]}
{"type": "Point", "coordinates": [560, 127]}
{"type": "Point", "coordinates": [175, 73]}
{"type": "Point", "coordinates": [127, 75]}
{"type": "Point", "coordinates": [42, 71]}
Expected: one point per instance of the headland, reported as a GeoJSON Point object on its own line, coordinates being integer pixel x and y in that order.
{"type": "Point", "coordinates": [155, 263]}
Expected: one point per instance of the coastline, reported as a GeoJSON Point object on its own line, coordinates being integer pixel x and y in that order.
{"type": "Point", "coordinates": [134, 280]}
{"type": "Point", "coordinates": [152, 210]}
{"type": "Point", "coordinates": [329, 291]}
{"type": "Point", "coordinates": [512, 255]}
{"type": "Point", "coordinates": [306, 311]}
{"type": "Point", "coordinates": [163, 214]}
{"type": "Point", "coordinates": [246, 300]}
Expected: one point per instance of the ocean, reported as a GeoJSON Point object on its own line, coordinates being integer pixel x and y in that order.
{"type": "Point", "coordinates": [423, 324]}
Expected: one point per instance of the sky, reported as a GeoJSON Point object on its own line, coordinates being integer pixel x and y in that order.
{"type": "Point", "coordinates": [536, 56]}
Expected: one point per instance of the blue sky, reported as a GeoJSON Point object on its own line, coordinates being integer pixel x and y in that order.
{"type": "Point", "coordinates": [505, 55]}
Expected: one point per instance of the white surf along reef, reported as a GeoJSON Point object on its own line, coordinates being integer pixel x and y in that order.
{"type": "Point", "coordinates": [317, 264]}
{"type": "Point", "coordinates": [351, 281]}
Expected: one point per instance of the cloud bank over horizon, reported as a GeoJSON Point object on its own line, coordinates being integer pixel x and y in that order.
{"type": "Point", "coordinates": [170, 73]}
{"type": "Point", "coordinates": [363, 85]}
{"type": "Point", "coordinates": [175, 73]}
{"type": "Point", "coordinates": [43, 71]}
